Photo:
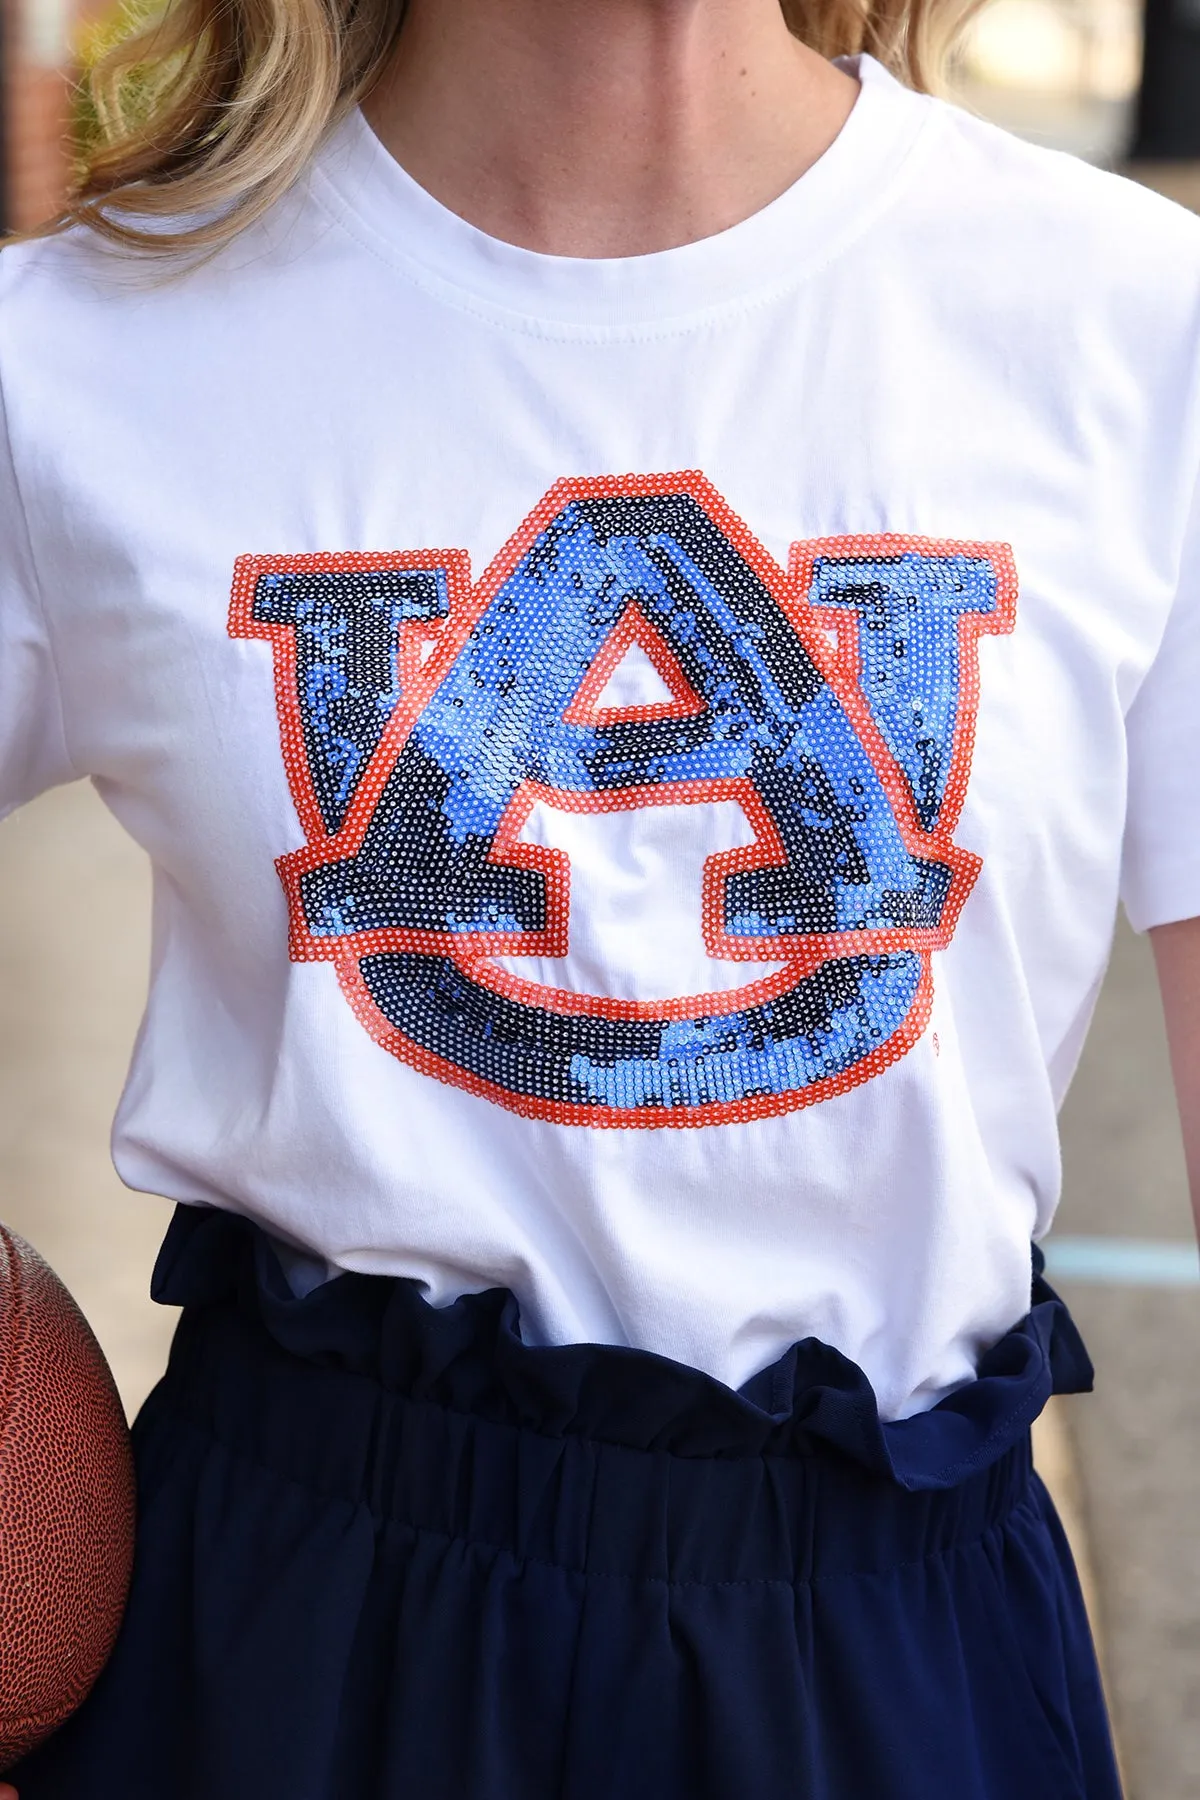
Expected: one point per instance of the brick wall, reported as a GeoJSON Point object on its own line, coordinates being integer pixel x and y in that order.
{"type": "Point", "coordinates": [37, 105]}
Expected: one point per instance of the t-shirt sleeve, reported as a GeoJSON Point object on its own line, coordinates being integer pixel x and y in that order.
{"type": "Point", "coordinates": [33, 749]}
{"type": "Point", "coordinates": [1160, 878]}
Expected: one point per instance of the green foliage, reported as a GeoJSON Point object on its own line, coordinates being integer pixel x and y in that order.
{"type": "Point", "coordinates": [138, 85]}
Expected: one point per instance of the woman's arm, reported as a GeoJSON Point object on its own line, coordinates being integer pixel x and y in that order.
{"type": "Point", "coordinates": [1177, 954]}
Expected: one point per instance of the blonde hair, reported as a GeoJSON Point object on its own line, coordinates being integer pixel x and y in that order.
{"type": "Point", "coordinates": [200, 115]}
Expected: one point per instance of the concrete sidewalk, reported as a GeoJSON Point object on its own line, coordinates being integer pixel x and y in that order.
{"type": "Point", "coordinates": [1138, 1436]}
{"type": "Point", "coordinates": [74, 934]}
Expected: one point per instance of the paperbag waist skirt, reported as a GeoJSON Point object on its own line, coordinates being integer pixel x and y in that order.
{"type": "Point", "coordinates": [391, 1552]}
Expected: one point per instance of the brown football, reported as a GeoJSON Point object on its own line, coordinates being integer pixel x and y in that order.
{"type": "Point", "coordinates": [66, 1502]}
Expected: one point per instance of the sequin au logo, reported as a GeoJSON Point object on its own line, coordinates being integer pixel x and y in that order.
{"type": "Point", "coordinates": [423, 716]}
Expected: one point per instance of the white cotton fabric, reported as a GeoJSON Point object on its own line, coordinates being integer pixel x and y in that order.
{"type": "Point", "coordinates": [938, 331]}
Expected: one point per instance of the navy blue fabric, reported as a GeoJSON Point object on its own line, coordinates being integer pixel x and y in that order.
{"type": "Point", "coordinates": [390, 1551]}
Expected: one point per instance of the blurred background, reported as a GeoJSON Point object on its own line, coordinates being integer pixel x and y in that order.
{"type": "Point", "coordinates": [1101, 79]}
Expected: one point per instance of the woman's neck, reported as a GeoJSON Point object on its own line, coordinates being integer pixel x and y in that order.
{"type": "Point", "coordinates": [605, 127]}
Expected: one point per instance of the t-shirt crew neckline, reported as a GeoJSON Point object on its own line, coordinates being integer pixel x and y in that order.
{"type": "Point", "coordinates": [781, 245]}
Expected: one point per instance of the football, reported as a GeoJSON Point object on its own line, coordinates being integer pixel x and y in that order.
{"type": "Point", "coordinates": [66, 1502]}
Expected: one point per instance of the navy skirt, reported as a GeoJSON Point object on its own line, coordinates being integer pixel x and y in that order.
{"type": "Point", "coordinates": [390, 1552]}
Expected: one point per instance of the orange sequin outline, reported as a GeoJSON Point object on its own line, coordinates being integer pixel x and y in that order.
{"type": "Point", "coordinates": [846, 625]}
{"type": "Point", "coordinates": [838, 664]}
{"type": "Point", "coordinates": [414, 637]}
{"type": "Point", "coordinates": [633, 627]}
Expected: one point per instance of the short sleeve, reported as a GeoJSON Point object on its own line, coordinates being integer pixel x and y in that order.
{"type": "Point", "coordinates": [33, 750]}
{"type": "Point", "coordinates": [1160, 878]}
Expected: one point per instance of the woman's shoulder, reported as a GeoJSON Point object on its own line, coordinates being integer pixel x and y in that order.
{"type": "Point", "coordinates": [72, 280]}
{"type": "Point", "coordinates": [84, 314]}
{"type": "Point", "coordinates": [80, 273]}
{"type": "Point", "coordinates": [1042, 247]}
{"type": "Point", "coordinates": [1044, 203]}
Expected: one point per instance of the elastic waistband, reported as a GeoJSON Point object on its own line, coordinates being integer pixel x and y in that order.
{"type": "Point", "coordinates": [590, 1456]}
{"type": "Point", "coordinates": [596, 1508]}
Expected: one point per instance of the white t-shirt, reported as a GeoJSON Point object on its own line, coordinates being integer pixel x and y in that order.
{"type": "Point", "coordinates": [634, 753]}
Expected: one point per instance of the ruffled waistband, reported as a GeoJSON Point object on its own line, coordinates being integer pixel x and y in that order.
{"type": "Point", "coordinates": [469, 1358]}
